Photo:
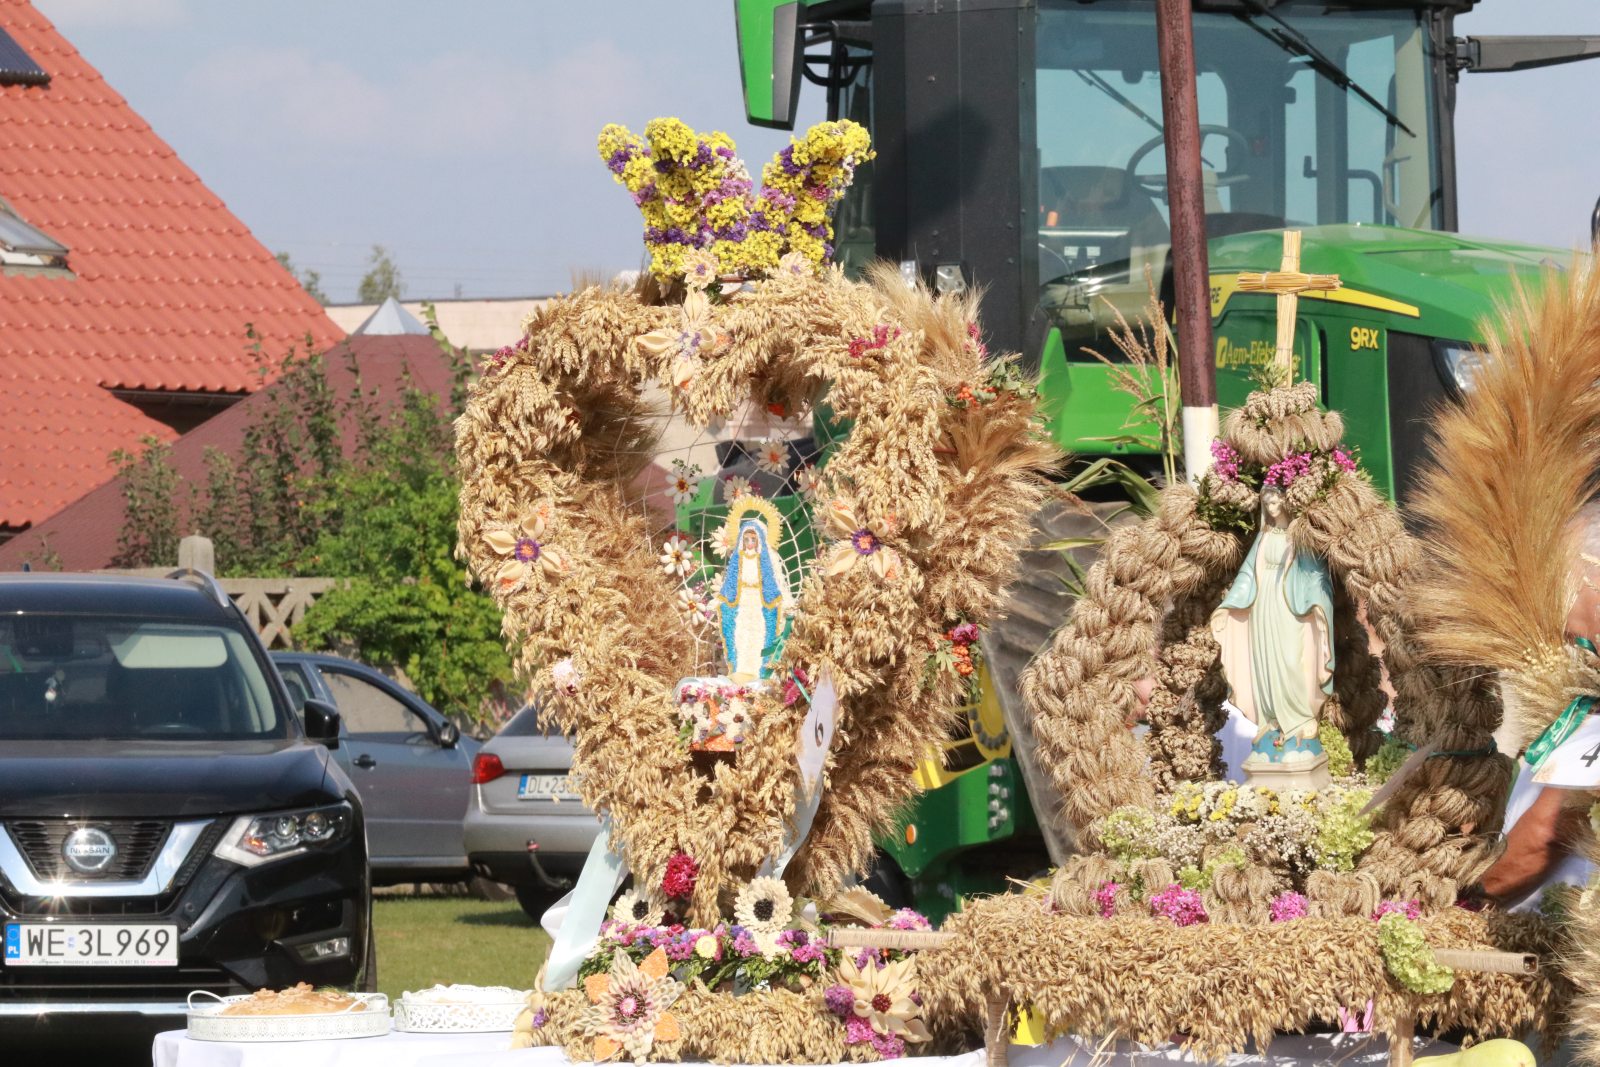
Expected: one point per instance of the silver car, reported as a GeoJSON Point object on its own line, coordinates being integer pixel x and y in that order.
{"type": "Point", "coordinates": [525, 825]}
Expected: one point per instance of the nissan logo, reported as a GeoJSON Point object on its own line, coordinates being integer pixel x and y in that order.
{"type": "Point", "coordinates": [88, 850]}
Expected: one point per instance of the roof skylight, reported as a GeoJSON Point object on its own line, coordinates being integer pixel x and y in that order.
{"type": "Point", "coordinates": [17, 66]}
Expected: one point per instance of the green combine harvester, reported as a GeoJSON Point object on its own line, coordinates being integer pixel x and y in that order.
{"type": "Point", "coordinates": [1020, 150]}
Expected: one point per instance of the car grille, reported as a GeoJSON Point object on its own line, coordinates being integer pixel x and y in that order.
{"type": "Point", "coordinates": [138, 842]}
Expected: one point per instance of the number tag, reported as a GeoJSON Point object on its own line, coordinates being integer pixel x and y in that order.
{"type": "Point", "coordinates": [1575, 764]}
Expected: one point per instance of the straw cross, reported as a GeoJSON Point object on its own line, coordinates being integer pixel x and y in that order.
{"type": "Point", "coordinates": [1288, 283]}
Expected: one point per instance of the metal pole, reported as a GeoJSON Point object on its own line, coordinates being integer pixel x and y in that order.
{"type": "Point", "coordinates": [1186, 207]}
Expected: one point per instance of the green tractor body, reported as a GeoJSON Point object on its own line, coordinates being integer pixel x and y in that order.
{"type": "Point", "coordinates": [1020, 150]}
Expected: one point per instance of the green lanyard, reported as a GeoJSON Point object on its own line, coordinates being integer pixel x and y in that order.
{"type": "Point", "coordinates": [1565, 726]}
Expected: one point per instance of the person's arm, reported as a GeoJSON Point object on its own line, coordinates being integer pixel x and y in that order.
{"type": "Point", "coordinates": [1539, 840]}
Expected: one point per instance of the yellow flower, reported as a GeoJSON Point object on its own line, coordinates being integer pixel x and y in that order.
{"type": "Point", "coordinates": [706, 947]}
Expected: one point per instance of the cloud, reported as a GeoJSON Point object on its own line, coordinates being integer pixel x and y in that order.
{"type": "Point", "coordinates": [94, 14]}
{"type": "Point", "coordinates": [261, 94]}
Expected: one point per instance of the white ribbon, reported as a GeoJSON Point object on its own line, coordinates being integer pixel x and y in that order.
{"type": "Point", "coordinates": [573, 922]}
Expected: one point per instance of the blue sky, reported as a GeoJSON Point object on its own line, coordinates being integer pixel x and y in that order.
{"type": "Point", "coordinates": [461, 134]}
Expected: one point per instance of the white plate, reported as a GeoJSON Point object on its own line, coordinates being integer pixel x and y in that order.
{"type": "Point", "coordinates": [206, 1024]}
{"type": "Point", "coordinates": [545, 787]}
{"type": "Point", "coordinates": [91, 944]}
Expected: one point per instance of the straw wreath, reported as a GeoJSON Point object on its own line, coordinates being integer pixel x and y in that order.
{"type": "Point", "coordinates": [942, 471]}
{"type": "Point", "coordinates": [1145, 614]}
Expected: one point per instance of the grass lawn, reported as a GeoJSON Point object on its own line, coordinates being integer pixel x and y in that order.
{"type": "Point", "coordinates": [426, 940]}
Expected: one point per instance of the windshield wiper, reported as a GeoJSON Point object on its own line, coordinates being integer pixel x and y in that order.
{"type": "Point", "coordinates": [1094, 79]}
{"type": "Point", "coordinates": [1297, 43]}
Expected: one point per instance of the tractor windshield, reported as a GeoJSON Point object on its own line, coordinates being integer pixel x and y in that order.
{"type": "Point", "coordinates": [1310, 114]}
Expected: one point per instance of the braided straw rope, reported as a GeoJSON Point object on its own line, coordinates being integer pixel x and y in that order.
{"type": "Point", "coordinates": [562, 423]}
{"type": "Point", "coordinates": [1221, 984]}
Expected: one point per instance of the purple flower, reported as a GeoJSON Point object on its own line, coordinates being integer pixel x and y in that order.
{"type": "Point", "coordinates": [724, 151]}
{"type": "Point", "coordinates": [839, 1000]}
{"type": "Point", "coordinates": [865, 542]}
{"type": "Point", "coordinates": [1411, 909]}
{"type": "Point", "coordinates": [526, 550]}
{"type": "Point", "coordinates": [1287, 906]}
{"type": "Point", "coordinates": [702, 156]}
{"type": "Point", "coordinates": [540, 1017]}
{"type": "Point", "coordinates": [857, 1031]}
{"type": "Point", "coordinates": [965, 634]}
{"type": "Point", "coordinates": [1182, 906]}
{"type": "Point", "coordinates": [679, 949]}
{"type": "Point", "coordinates": [619, 159]}
{"type": "Point", "coordinates": [786, 161]}
{"type": "Point", "coordinates": [1105, 898]}
{"type": "Point", "coordinates": [1288, 469]}
{"type": "Point", "coordinates": [907, 919]}
{"type": "Point", "coordinates": [889, 1046]}
{"type": "Point", "coordinates": [1224, 460]}
{"type": "Point", "coordinates": [1343, 460]}
{"type": "Point", "coordinates": [743, 944]}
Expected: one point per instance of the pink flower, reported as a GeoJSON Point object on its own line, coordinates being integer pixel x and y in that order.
{"type": "Point", "coordinates": [1288, 469]}
{"type": "Point", "coordinates": [888, 1046]}
{"type": "Point", "coordinates": [907, 919]}
{"type": "Point", "coordinates": [1183, 906]}
{"type": "Point", "coordinates": [965, 634]}
{"type": "Point", "coordinates": [1224, 460]}
{"type": "Point", "coordinates": [1343, 460]}
{"type": "Point", "coordinates": [1286, 906]}
{"type": "Point", "coordinates": [678, 881]}
{"type": "Point", "coordinates": [794, 687]}
{"type": "Point", "coordinates": [1411, 909]}
{"type": "Point", "coordinates": [1106, 898]}
{"type": "Point", "coordinates": [857, 1030]}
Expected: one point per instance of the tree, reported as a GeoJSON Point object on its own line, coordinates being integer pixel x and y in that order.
{"type": "Point", "coordinates": [310, 280]}
{"type": "Point", "coordinates": [382, 279]}
{"type": "Point", "coordinates": [149, 536]}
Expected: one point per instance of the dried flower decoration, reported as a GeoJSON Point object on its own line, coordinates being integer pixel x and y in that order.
{"type": "Point", "coordinates": [627, 1009]}
{"type": "Point", "coordinates": [677, 882]}
{"type": "Point", "coordinates": [685, 481]}
{"type": "Point", "coordinates": [676, 559]}
{"type": "Point", "coordinates": [687, 343]}
{"type": "Point", "coordinates": [764, 905]}
{"type": "Point", "coordinates": [639, 907]}
{"type": "Point", "coordinates": [566, 677]}
{"type": "Point", "coordinates": [884, 996]}
{"type": "Point", "coordinates": [860, 543]}
{"type": "Point", "coordinates": [521, 544]}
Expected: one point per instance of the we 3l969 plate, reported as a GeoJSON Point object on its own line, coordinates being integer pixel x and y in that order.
{"type": "Point", "coordinates": [90, 945]}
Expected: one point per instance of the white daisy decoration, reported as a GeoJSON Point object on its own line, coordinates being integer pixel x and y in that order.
{"type": "Point", "coordinates": [684, 487]}
{"type": "Point", "coordinates": [676, 559]}
{"type": "Point", "coordinates": [639, 908]}
{"type": "Point", "coordinates": [772, 457]}
{"type": "Point", "coordinates": [764, 905]}
{"type": "Point", "coordinates": [736, 486]}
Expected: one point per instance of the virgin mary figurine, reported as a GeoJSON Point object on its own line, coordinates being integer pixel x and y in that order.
{"type": "Point", "coordinates": [1275, 629]}
{"type": "Point", "coordinates": [752, 603]}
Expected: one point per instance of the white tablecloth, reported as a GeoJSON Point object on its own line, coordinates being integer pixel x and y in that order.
{"type": "Point", "coordinates": [174, 1049]}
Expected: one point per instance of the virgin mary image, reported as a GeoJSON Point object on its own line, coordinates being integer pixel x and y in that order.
{"type": "Point", "coordinates": [1275, 627]}
{"type": "Point", "coordinates": [753, 602]}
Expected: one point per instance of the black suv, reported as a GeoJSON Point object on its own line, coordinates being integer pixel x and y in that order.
{"type": "Point", "coordinates": [166, 824]}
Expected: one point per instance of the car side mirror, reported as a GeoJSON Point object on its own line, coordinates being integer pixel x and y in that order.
{"type": "Point", "coordinates": [322, 722]}
{"type": "Point", "coordinates": [449, 735]}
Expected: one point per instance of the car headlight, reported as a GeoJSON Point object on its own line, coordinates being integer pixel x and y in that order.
{"type": "Point", "coordinates": [257, 839]}
{"type": "Point", "coordinates": [1457, 363]}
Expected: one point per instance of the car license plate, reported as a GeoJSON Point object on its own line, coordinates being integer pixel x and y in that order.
{"type": "Point", "coordinates": [90, 945]}
{"type": "Point", "coordinates": [545, 787]}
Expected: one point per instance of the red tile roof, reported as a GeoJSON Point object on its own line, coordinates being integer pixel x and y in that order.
{"type": "Point", "coordinates": [83, 535]}
{"type": "Point", "coordinates": [164, 281]}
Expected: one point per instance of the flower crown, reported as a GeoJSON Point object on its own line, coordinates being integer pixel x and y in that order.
{"type": "Point", "coordinates": [702, 213]}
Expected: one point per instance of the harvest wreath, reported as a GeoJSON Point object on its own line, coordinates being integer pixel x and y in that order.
{"type": "Point", "coordinates": [925, 505]}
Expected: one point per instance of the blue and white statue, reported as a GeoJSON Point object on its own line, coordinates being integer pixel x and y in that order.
{"type": "Point", "coordinates": [753, 604]}
{"type": "Point", "coordinates": [1275, 627]}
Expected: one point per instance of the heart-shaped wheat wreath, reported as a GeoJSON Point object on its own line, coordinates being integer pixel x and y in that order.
{"type": "Point", "coordinates": [931, 493]}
